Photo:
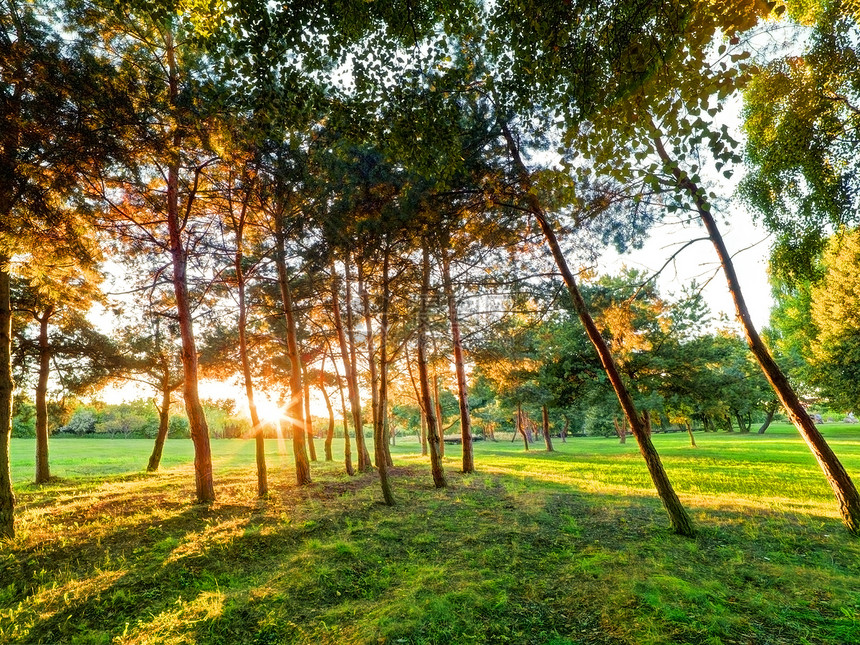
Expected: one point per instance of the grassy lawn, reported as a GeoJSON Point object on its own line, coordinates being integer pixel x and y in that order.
{"type": "Point", "coordinates": [551, 549]}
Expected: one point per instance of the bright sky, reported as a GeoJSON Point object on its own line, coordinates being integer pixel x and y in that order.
{"type": "Point", "coordinates": [748, 243]}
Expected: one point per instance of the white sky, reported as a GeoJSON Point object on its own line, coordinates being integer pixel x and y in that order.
{"type": "Point", "coordinates": [748, 243]}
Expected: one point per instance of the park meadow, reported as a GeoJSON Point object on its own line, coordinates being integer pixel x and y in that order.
{"type": "Point", "coordinates": [564, 548]}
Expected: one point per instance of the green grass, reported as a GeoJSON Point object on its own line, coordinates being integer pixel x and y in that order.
{"type": "Point", "coordinates": [566, 548]}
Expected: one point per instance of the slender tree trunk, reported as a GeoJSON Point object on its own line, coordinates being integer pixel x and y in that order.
{"type": "Point", "coordinates": [620, 430]}
{"type": "Point", "coordinates": [309, 422]}
{"type": "Point", "coordinates": [204, 482]}
{"type": "Point", "coordinates": [349, 363]}
{"type": "Point", "coordinates": [459, 367]}
{"type": "Point", "coordinates": [382, 422]}
{"type": "Point", "coordinates": [347, 448]}
{"type": "Point", "coordinates": [843, 487]}
{"type": "Point", "coordinates": [565, 429]}
{"type": "Point", "coordinates": [7, 388]}
{"type": "Point", "coordinates": [690, 432]}
{"type": "Point", "coordinates": [163, 419]}
{"type": "Point", "coordinates": [546, 436]}
{"type": "Point", "coordinates": [259, 439]}
{"type": "Point", "coordinates": [329, 436]}
{"type": "Point", "coordinates": [364, 296]}
{"type": "Point", "coordinates": [423, 431]}
{"type": "Point", "coordinates": [434, 439]}
{"type": "Point", "coordinates": [437, 404]}
{"type": "Point", "coordinates": [678, 517]}
{"type": "Point", "coordinates": [381, 404]}
{"type": "Point", "coordinates": [521, 426]}
{"type": "Point", "coordinates": [295, 414]}
{"type": "Point", "coordinates": [43, 469]}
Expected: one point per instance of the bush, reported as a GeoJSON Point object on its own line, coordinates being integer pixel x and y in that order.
{"type": "Point", "coordinates": [23, 427]}
{"type": "Point", "coordinates": [178, 428]}
{"type": "Point", "coordinates": [83, 422]}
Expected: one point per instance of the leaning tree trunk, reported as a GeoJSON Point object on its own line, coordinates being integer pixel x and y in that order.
{"type": "Point", "coordinates": [295, 414]}
{"type": "Point", "coordinates": [434, 439]}
{"type": "Point", "coordinates": [678, 517]}
{"type": "Point", "coordinates": [835, 473]}
{"type": "Point", "coordinates": [7, 388]}
{"type": "Point", "coordinates": [459, 367]}
{"type": "Point", "coordinates": [349, 362]}
{"type": "Point", "coordinates": [43, 469]}
{"type": "Point", "coordinates": [690, 433]}
{"type": "Point", "coordinates": [770, 410]}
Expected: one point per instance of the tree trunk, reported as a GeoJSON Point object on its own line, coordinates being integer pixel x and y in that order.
{"type": "Point", "coordinates": [678, 517]}
{"type": "Point", "coordinates": [437, 405]}
{"type": "Point", "coordinates": [163, 419]}
{"type": "Point", "coordinates": [521, 425]}
{"type": "Point", "coordinates": [259, 439]}
{"type": "Point", "coordinates": [434, 439]}
{"type": "Point", "coordinates": [329, 436]}
{"type": "Point", "coordinates": [294, 409]}
{"type": "Point", "coordinates": [309, 422]}
{"type": "Point", "coordinates": [7, 388]}
{"type": "Point", "coordinates": [380, 440]}
{"type": "Point", "coordinates": [382, 422]}
{"type": "Point", "coordinates": [423, 431]}
{"type": "Point", "coordinates": [43, 470]}
{"type": "Point", "coordinates": [565, 429]}
{"type": "Point", "coordinates": [459, 367]}
{"type": "Point", "coordinates": [620, 430]}
{"type": "Point", "coordinates": [690, 432]}
{"type": "Point", "coordinates": [546, 437]}
{"type": "Point", "coordinates": [371, 353]}
{"type": "Point", "coordinates": [349, 363]}
{"type": "Point", "coordinates": [424, 446]}
{"type": "Point", "coordinates": [835, 473]}
{"type": "Point", "coordinates": [771, 411]}
{"type": "Point", "coordinates": [347, 448]}
{"type": "Point", "coordinates": [204, 483]}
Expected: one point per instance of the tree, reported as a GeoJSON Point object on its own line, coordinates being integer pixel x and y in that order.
{"type": "Point", "coordinates": [663, 99]}
{"type": "Point", "coordinates": [52, 95]}
{"type": "Point", "coordinates": [154, 199]}
{"type": "Point", "coordinates": [835, 343]}
{"type": "Point", "coordinates": [58, 295]}
{"type": "Point", "coordinates": [801, 116]}
{"type": "Point", "coordinates": [678, 517]}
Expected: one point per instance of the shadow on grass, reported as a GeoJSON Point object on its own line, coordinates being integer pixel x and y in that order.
{"type": "Point", "coordinates": [493, 559]}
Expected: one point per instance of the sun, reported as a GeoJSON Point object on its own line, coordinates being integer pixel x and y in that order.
{"type": "Point", "coordinates": [269, 411]}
